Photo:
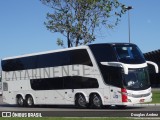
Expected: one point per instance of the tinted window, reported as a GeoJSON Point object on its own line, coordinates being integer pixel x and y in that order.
{"type": "Point", "coordinates": [129, 54]}
{"type": "Point", "coordinates": [48, 60]}
{"type": "Point", "coordinates": [54, 59]}
{"type": "Point", "coordinates": [103, 53]}
{"type": "Point", "coordinates": [75, 82]}
{"type": "Point", "coordinates": [112, 75]}
{"type": "Point", "coordinates": [46, 84]}
{"type": "Point", "coordinates": [80, 57]}
{"type": "Point", "coordinates": [137, 79]}
{"type": "Point", "coordinates": [115, 75]}
{"type": "Point", "coordinates": [84, 82]}
{"type": "Point", "coordinates": [19, 63]}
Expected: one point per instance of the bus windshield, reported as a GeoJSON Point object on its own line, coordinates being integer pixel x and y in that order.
{"type": "Point", "coordinates": [129, 54]}
{"type": "Point", "coordinates": [137, 79]}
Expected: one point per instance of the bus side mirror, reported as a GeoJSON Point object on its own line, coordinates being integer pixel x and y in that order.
{"type": "Point", "coordinates": [117, 64]}
{"type": "Point", "coordinates": [154, 64]}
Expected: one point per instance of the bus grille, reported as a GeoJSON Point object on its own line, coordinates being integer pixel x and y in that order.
{"type": "Point", "coordinates": [141, 95]}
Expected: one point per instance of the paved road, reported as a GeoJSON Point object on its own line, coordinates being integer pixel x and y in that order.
{"type": "Point", "coordinates": [71, 111]}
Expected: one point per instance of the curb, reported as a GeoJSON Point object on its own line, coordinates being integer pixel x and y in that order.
{"type": "Point", "coordinates": [144, 105]}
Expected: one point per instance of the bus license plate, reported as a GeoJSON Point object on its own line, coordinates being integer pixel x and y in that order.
{"type": "Point", "coordinates": [141, 100]}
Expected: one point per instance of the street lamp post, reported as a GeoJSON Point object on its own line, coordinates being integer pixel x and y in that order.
{"type": "Point", "coordinates": [129, 8]}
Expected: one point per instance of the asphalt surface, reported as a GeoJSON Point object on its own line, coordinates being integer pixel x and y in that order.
{"type": "Point", "coordinates": [70, 111]}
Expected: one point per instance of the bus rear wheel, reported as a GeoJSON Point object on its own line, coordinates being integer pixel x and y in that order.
{"type": "Point", "coordinates": [20, 101]}
{"type": "Point", "coordinates": [95, 101]}
{"type": "Point", "coordinates": [29, 101]}
{"type": "Point", "coordinates": [80, 101]}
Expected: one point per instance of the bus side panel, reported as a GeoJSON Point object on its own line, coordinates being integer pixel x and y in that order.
{"type": "Point", "coordinates": [13, 88]}
{"type": "Point", "coordinates": [8, 98]}
{"type": "Point", "coordinates": [115, 95]}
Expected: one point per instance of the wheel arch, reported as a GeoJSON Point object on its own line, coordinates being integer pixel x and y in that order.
{"type": "Point", "coordinates": [84, 94]}
{"type": "Point", "coordinates": [20, 95]}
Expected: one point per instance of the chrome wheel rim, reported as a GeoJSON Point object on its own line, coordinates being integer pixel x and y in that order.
{"type": "Point", "coordinates": [30, 101]}
{"type": "Point", "coordinates": [81, 101]}
{"type": "Point", "coordinates": [96, 101]}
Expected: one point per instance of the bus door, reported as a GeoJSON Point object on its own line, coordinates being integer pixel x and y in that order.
{"type": "Point", "coordinates": [115, 79]}
{"type": "Point", "coordinates": [115, 95]}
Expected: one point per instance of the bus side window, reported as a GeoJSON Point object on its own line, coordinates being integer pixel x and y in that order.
{"type": "Point", "coordinates": [53, 59]}
{"type": "Point", "coordinates": [80, 57]}
{"type": "Point", "coordinates": [115, 77]}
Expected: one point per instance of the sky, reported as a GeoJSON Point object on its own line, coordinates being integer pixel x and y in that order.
{"type": "Point", "coordinates": [22, 29]}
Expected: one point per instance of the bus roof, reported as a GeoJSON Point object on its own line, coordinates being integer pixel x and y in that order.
{"type": "Point", "coordinates": [45, 52]}
{"type": "Point", "coordinates": [66, 49]}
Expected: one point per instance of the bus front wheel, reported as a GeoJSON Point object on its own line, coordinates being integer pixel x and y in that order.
{"type": "Point", "coordinates": [80, 101]}
{"type": "Point", "coordinates": [95, 101]}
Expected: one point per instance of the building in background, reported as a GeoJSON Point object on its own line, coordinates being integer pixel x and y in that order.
{"type": "Point", "coordinates": [155, 57]}
{"type": "Point", "coordinates": [0, 84]}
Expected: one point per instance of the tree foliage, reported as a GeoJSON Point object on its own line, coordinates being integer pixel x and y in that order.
{"type": "Point", "coordinates": [78, 19]}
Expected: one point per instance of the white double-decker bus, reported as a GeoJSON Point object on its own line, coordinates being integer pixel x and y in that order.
{"type": "Point", "coordinates": [93, 75]}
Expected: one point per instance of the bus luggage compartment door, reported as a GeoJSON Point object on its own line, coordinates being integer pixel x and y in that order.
{"type": "Point", "coordinates": [115, 94]}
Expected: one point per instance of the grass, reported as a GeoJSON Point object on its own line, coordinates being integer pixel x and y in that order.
{"type": "Point", "coordinates": [156, 97]}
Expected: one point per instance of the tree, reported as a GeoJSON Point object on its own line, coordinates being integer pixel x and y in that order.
{"type": "Point", "coordinates": [78, 19]}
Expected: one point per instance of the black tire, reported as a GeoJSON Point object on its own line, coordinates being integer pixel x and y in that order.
{"type": "Point", "coordinates": [121, 106]}
{"type": "Point", "coordinates": [80, 101]}
{"type": "Point", "coordinates": [95, 101]}
{"type": "Point", "coordinates": [20, 101]}
{"type": "Point", "coordinates": [29, 101]}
